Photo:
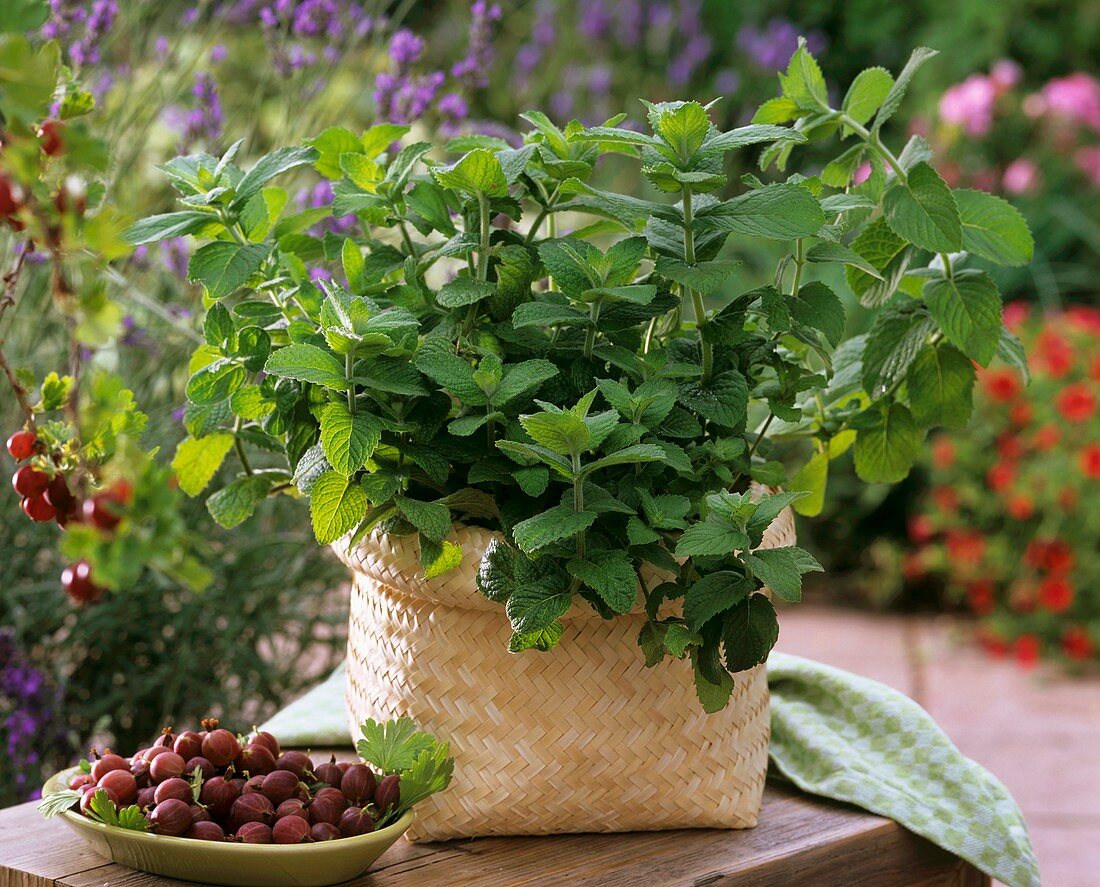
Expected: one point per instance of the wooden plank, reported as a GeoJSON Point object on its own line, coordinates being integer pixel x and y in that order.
{"type": "Point", "coordinates": [800, 840]}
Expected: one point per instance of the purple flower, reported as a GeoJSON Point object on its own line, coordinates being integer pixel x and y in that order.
{"type": "Point", "coordinates": [176, 255]}
{"type": "Point", "coordinates": [161, 46]}
{"type": "Point", "coordinates": [92, 22]}
{"type": "Point", "coordinates": [405, 48]}
{"type": "Point", "coordinates": [472, 71]}
{"type": "Point", "coordinates": [204, 121]}
{"type": "Point", "coordinates": [595, 23]}
{"type": "Point", "coordinates": [770, 47]}
{"type": "Point", "coordinates": [317, 197]}
{"type": "Point", "coordinates": [218, 54]}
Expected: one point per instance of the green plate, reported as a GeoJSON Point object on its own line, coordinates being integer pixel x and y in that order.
{"type": "Point", "coordinates": [229, 864]}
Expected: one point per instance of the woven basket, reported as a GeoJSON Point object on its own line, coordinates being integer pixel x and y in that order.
{"type": "Point", "coordinates": [582, 739]}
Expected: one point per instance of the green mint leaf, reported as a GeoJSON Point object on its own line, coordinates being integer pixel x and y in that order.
{"type": "Point", "coordinates": [924, 211]}
{"type": "Point", "coordinates": [521, 378]}
{"type": "Point", "coordinates": [166, 225]}
{"type": "Point", "coordinates": [611, 575]}
{"type": "Point", "coordinates": [197, 461]}
{"type": "Point", "coordinates": [496, 572]}
{"type": "Point", "coordinates": [1011, 350]}
{"type": "Point", "coordinates": [885, 451]}
{"type": "Point", "coordinates": [348, 440]}
{"type": "Point", "coordinates": [559, 522]}
{"type": "Point", "coordinates": [803, 81]}
{"type": "Point", "coordinates": [235, 503]}
{"type": "Point", "coordinates": [681, 125]}
{"type": "Point", "coordinates": [836, 252]}
{"type": "Point", "coordinates": [710, 537]}
{"type": "Point", "coordinates": [993, 228]}
{"type": "Point", "coordinates": [781, 109]}
{"type": "Point", "coordinates": [753, 134]}
{"type": "Point", "coordinates": [781, 569]}
{"type": "Point", "coordinates": [781, 212]}
{"type": "Point", "coordinates": [564, 433]}
{"type": "Point", "coordinates": [867, 93]}
{"type": "Point", "coordinates": [433, 519]}
{"type": "Point", "coordinates": [478, 172]}
{"type": "Point", "coordinates": [463, 291]}
{"type": "Point", "coordinates": [714, 593]}
{"type": "Point", "coordinates": [818, 307]}
{"type": "Point", "coordinates": [897, 92]}
{"type": "Point", "coordinates": [223, 267]}
{"type": "Point", "coordinates": [535, 606]}
{"type": "Point", "coordinates": [713, 695]}
{"type": "Point", "coordinates": [893, 343]}
{"type": "Point", "coordinates": [336, 505]}
{"type": "Point", "coordinates": [544, 639]}
{"type": "Point", "coordinates": [724, 400]}
{"type": "Point", "coordinates": [548, 314]}
{"type": "Point", "coordinates": [632, 455]}
{"type": "Point", "coordinates": [307, 363]}
{"type": "Point", "coordinates": [330, 145]}
{"type": "Point", "coordinates": [812, 479]}
{"type": "Point", "coordinates": [704, 278]}
{"type": "Point", "coordinates": [274, 164]}
{"type": "Point", "coordinates": [749, 631]}
{"type": "Point", "coordinates": [379, 137]}
{"type": "Point", "coordinates": [968, 309]}
{"type": "Point", "coordinates": [940, 384]}
{"type": "Point", "coordinates": [453, 373]}
{"type": "Point", "coordinates": [437, 558]}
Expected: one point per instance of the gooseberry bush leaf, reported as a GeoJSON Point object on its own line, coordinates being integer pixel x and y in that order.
{"type": "Point", "coordinates": [613, 405]}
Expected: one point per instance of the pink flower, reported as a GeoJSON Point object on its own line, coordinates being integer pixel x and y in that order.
{"type": "Point", "coordinates": [1021, 176]}
{"type": "Point", "coordinates": [862, 174]}
{"type": "Point", "coordinates": [1075, 97]}
{"type": "Point", "coordinates": [1005, 74]}
{"type": "Point", "coordinates": [970, 104]}
{"type": "Point", "coordinates": [1088, 161]}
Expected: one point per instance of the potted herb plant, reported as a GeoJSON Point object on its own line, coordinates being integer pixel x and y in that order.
{"type": "Point", "coordinates": [522, 438]}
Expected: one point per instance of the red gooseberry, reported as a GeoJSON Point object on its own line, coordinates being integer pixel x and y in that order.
{"type": "Point", "coordinates": [77, 582]}
{"type": "Point", "coordinates": [324, 831]}
{"type": "Point", "coordinates": [220, 747]}
{"type": "Point", "coordinates": [205, 831]}
{"type": "Point", "coordinates": [171, 817]}
{"type": "Point", "coordinates": [188, 745]}
{"type": "Point", "coordinates": [355, 821]}
{"type": "Point", "coordinates": [122, 783]}
{"type": "Point", "coordinates": [254, 833]}
{"type": "Point", "coordinates": [29, 482]}
{"type": "Point", "coordinates": [106, 763]}
{"type": "Point", "coordinates": [358, 785]}
{"type": "Point", "coordinates": [290, 830]}
{"type": "Point", "coordinates": [177, 788]}
{"type": "Point", "coordinates": [21, 445]}
{"type": "Point", "coordinates": [166, 766]}
{"type": "Point", "coordinates": [39, 510]}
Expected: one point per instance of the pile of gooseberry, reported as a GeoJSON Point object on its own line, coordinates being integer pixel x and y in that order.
{"type": "Point", "coordinates": [213, 785]}
{"type": "Point", "coordinates": [46, 496]}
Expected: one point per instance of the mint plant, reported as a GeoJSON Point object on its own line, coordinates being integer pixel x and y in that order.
{"type": "Point", "coordinates": [574, 392]}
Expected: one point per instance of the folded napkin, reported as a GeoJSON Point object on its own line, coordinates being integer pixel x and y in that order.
{"type": "Point", "coordinates": [834, 734]}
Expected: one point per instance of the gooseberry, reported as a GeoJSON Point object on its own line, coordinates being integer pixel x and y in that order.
{"type": "Point", "coordinates": [171, 817]}
{"type": "Point", "coordinates": [254, 833]}
{"type": "Point", "coordinates": [290, 830]}
{"type": "Point", "coordinates": [22, 444]}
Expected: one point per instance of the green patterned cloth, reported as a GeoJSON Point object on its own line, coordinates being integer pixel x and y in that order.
{"type": "Point", "coordinates": [837, 735]}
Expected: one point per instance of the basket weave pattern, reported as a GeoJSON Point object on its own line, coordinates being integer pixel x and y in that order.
{"type": "Point", "coordinates": [582, 739]}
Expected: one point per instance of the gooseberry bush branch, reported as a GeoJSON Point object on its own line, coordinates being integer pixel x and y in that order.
{"type": "Point", "coordinates": [552, 388]}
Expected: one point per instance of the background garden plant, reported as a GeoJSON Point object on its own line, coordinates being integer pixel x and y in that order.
{"type": "Point", "coordinates": [1010, 521]}
{"type": "Point", "coordinates": [166, 77]}
{"type": "Point", "coordinates": [395, 402]}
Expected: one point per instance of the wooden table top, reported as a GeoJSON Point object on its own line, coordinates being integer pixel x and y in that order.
{"type": "Point", "coordinates": [800, 841]}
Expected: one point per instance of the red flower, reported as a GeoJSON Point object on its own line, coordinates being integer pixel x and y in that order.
{"type": "Point", "coordinates": [1090, 461]}
{"type": "Point", "coordinates": [1026, 649]}
{"type": "Point", "coordinates": [943, 452]}
{"type": "Point", "coordinates": [1048, 437]}
{"type": "Point", "coordinates": [980, 595]}
{"type": "Point", "coordinates": [1035, 555]}
{"type": "Point", "coordinates": [1057, 556]}
{"type": "Point", "coordinates": [945, 498]}
{"type": "Point", "coordinates": [1001, 385]}
{"type": "Point", "coordinates": [1056, 593]}
{"type": "Point", "coordinates": [1000, 477]}
{"type": "Point", "coordinates": [920, 529]}
{"type": "Point", "coordinates": [1076, 402]}
{"type": "Point", "coordinates": [912, 567]}
{"type": "Point", "coordinates": [1015, 313]}
{"type": "Point", "coordinates": [1021, 414]}
{"type": "Point", "coordinates": [1084, 317]}
{"type": "Point", "coordinates": [1077, 644]}
{"type": "Point", "coordinates": [1094, 369]}
{"type": "Point", "coordinates": [1054, 354]}
{"type": "Point", "coordinates": [1021, 507]}
{"type": "Point", "coordinates": [965, 546]}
